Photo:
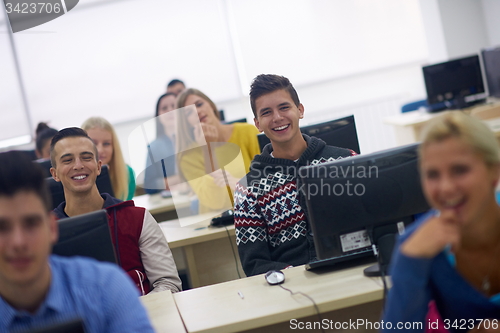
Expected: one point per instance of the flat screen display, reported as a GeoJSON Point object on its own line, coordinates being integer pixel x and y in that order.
{"type": "Point", "coordinates": [455, 84]}
{"type": "Point", "coordinates": [491, 62]}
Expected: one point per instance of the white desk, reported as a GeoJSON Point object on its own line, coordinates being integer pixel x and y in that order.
{"type": "Point", "coordinates": [163, 312]}
{"type": "Point", "coordinates": [409, 125]}
{"type": "Point", "coordinates": [341, 296]}
{"type": "Point", "coordinates": [163, 209]}
{"type": "Point", "coordinates": [208, 251]}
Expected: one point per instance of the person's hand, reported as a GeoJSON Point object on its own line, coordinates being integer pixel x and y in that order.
{"type": "Point", "coordinates": [172, 181]}
{"type": "Point", "coordinates": [433, 236]}
{"type": "Point", "coordinates": [206, 133]}
{"type": "Point", "coordinates": [219, 180]}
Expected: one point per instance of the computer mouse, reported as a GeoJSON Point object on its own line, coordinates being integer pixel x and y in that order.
{"type": "Point", "coordinates": [275, 277]}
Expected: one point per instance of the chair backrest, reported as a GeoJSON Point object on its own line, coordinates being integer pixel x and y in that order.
{"type": "Point", "coordinates": [242, 120]}
{"type": "Point", "coordinates": [413, 106]}
{"type": "Point", "coordinates": [103, 183]}
{"type": "Point", "coordinates": [46, 165]}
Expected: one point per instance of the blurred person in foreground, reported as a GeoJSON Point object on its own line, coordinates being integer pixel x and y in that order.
{"type": "Point", "coordinates": [452, 254]}
{"type": "Point", "coordinates": [38, 289]}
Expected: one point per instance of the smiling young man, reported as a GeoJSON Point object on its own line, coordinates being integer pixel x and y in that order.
{"type": "Point", "coordinates": [272, 231]}
{"type": "Point", "coordinates": [38, 289]}
{"type": "Point", "coordinates": [140, 245]}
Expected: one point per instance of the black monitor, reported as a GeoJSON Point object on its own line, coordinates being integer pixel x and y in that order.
{"type": "Point", "coordinates": [491, 62]}
{"type": "Point", "coordinates": [72, 326]}
{"type": "Point", "coordinates": [339, 132]}
{"type": "Point", "coordinates": [454, 84]}
{"type": "Point", "coordinates": [103, 183]}
{"type": "Point", "coordinates": [86, 235]}
{"type": "Point", "coordinates": [354, 202]}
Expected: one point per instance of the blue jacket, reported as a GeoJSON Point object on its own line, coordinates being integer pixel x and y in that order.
{"type": "Point", "coordinates": [417, 281]}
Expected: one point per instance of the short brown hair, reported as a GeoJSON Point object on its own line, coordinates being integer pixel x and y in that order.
{"type": "Point", "coordinates": [267, 83]}
{"type": "Point", "coordinates": [67, 133]}
{"type": "Point", "coordinates": [18, 173]}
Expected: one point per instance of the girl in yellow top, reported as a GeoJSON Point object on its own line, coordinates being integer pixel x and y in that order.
{"type": "Point", "coordinates": [206, 147]}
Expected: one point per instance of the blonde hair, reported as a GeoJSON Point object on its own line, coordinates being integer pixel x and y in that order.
{"type": "Point", "coordinates": [470, 130]}
{"type": "Point", "coordinates": [117, 168]}
{"type": "Point", "coordinates": [181, 99]}
{"type": "Point", "coordinates": [185, 139]}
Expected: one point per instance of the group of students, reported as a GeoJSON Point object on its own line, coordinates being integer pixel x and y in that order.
{"type": "Point", "coordinates": [448, 261]}
{"type": "Point", "coordinates": [109, 152]}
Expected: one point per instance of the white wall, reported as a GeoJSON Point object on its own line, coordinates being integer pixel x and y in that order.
{"type": "Point", "coordinates": [463, 26]}
{"type": "Point", "coordinates": [491, 10]}
{"type": "Point", "coordinates": [433, 26]}
{"type": "Point", "coordinates": [113, 58]}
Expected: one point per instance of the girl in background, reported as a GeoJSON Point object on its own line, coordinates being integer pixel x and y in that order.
{"type": "Point", "coordinates": [44, 135]}
{"type": "Point", "coordinates": [110, 153]}
{"type": "Point", "coordinates": [161, 170]}
{"type": "Point", "coordinates": [229, 146]}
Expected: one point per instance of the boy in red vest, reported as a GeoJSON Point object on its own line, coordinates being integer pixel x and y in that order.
{"type": "Point", "coordinates": [141, 248]}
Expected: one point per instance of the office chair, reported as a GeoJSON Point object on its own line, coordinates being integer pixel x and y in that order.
{"type": "Point", "coordinates": [413, 106]}
{"type": "Point", "coordinates": [242, 120]}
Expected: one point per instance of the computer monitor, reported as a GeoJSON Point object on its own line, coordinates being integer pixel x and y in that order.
{"type": "Point", "coordinates": [339, 132]}
{"type": "Point", "coordinates": [354, 202]}
{"type": "Point", "coordinates": [491, 62]}
{"type": "Point", "coordinates": [86, 235]}
{"type": "Point", "coordinates": [103, 183]}
{"type": "Point", "coordinates": [454, 84]}
{"type": "Point", "coordinates": [72, 326]}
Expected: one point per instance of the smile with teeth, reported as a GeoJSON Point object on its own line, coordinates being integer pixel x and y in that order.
{"type": "Point", "coordinates": [281, 128]}
{"type": "Point", "coordinates": [80, 177]}
{"type": "Point", "coordinates": [453, 203]}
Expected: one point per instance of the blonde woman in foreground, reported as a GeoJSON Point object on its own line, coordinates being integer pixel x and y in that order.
{"type": "Point", "coordinates": [452, 255]}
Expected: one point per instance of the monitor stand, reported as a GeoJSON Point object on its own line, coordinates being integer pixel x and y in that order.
{"type": "Point", "coordinates": [385, 245]}
{"type": "Point", "coordinates": [374, 271]}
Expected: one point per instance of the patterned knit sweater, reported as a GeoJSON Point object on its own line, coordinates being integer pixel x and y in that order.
{"type": "Point", "coordinates": [272, 231]}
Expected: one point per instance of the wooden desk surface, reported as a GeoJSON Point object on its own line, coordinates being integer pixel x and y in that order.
{"type": "Point", "coordinates": [163, 312]}
{"type": "Point", "coordinates": [157, 205]}
{"type": "Point", "coordinates": [219, 308]}
{"type": "Point", "coordinates": [178, 236]}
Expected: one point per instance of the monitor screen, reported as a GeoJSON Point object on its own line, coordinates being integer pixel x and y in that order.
{"type": "Point", "coordinates": [340, 133]}
{"type": "Point", "coordinates": [86, 235]}
{"type": "Point", "coordinates": [72, 326]}
{"type": "Point", "coordinates": [454, 84]}
{"type": "Point", "coordinates": [352, 201]}
{"type": "Point", "coordinates": [491, 62]}
{"type": "Point", "coordinates": [103, 183]}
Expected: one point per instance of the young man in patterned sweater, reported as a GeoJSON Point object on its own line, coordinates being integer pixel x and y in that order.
{"type": "Point", "coordinates": [272, 231]}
